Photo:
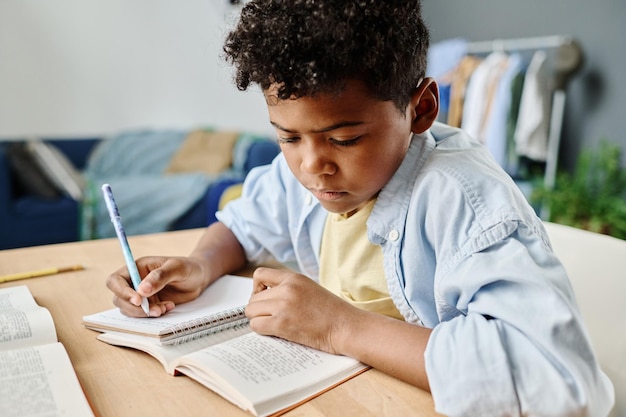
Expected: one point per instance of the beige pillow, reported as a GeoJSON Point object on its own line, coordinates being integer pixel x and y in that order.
{"type": "Point", "coordinates": [202, 151]}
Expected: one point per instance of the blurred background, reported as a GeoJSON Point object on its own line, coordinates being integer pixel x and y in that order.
{"type": "Point", "coordinates": [85, 67]}
{"type": "Point", "coordinates": [596, 95]}
{"type": "Point", "coordinates": [92, 69]}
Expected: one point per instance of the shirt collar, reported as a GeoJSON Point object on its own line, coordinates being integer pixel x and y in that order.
{"type": "Point", "coordinates": [390, 210]}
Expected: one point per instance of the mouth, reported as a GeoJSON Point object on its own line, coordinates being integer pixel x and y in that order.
{"type": "Point", "coordinates": [328, 195]}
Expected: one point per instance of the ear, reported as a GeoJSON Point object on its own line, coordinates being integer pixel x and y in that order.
{"type": "Point", "coordinates": [424, 105]}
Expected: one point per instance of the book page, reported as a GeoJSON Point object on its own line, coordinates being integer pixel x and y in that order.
{"type": "Point", "coordinates": [265, 373]}
{"type": "Point", "coordinates": [167, 354]}
{"type": "Point", "coordinates": [40, 381]}
{"type": "Point", "coordinates": [226, 293]}
{"type": "Point", "coordinates": [22, 321]}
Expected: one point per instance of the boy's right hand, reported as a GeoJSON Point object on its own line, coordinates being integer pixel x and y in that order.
{"type": "Point", "coordinates": [166, 281]}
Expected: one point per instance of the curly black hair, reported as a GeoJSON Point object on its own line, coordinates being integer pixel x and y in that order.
{"type": "Point", "coordinates": [308, 47]}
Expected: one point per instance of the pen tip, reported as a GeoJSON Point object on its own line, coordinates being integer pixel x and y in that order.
{"type": "Point", "coordinates": [145, 306]}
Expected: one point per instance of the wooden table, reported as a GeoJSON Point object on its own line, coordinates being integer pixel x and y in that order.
{"type": "Point", "coordinates": [123, 382]}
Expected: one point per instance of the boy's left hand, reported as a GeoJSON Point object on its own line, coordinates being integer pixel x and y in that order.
{"type": "Point", "coordinates": [296, 308]}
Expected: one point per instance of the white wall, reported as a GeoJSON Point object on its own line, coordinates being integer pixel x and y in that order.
{"type": "Point", "coordinates": [80, 67]}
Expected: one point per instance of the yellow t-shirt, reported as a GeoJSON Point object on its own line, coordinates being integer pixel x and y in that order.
{"type": "Point", "coordinates": [351, 266]}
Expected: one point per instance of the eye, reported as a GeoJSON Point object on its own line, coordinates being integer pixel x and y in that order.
{"type": "Point", "coordinates": [281, 140]}
{"type": "Point", "coordinates": [348, 142]}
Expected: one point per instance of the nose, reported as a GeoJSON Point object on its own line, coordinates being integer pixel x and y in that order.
{"type": "Point", "coordinates": [317, 160]}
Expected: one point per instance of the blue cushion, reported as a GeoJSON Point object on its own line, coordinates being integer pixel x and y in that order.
{"type": "Point", "coordinates": [214, 195]}
{"type": "Point", "coordinates": [261, 153]}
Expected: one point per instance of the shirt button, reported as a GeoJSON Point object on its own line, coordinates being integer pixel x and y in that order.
{"type": "Point", "coordinates": [394, 235]}
{"type": "Point", "coordinates": [309, 199]}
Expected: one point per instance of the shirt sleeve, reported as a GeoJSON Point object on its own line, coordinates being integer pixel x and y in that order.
{"type": "Point", "coordinates": [257, 218]}
{"type": "Point", "coordinates": [515, 331]}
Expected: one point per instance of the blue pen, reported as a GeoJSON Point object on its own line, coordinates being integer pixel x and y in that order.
{"type": "Point", "coordinates": [116, 219]}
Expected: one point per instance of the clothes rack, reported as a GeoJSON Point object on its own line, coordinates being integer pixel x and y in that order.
{"type": "Point", "coordinates": [542, 42]}
{"type": "Point", "coordinates": [568, 59]}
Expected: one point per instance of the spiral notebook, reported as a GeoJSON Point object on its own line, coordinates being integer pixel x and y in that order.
{"type": "Point", "coordinates": [221, 306]}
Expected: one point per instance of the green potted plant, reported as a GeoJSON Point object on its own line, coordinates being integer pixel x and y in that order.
{"type": "Point", "coordinates": [593, 197]}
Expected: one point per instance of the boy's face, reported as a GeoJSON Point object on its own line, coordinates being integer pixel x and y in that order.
{"type": "Point", "coordinates": [342, 147]}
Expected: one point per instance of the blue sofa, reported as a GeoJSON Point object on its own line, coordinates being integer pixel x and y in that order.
{"type": "Point", "coordinates": [29, 220]}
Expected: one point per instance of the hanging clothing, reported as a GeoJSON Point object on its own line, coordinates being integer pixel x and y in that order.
{"type": "Point", "coordinates": [517, 86]}
{"type": "Point", "coordinates": [498, 112]}
{"type": "Point", "coordinates": [480, 90]}
{"type": "Point", "coordinates": [533, 121]}
{"type": "Point", "coordinates": [458, 80]}
{"type": "Point", "coordinates": [443, 58]}
{"type": "Point", "coordinates": [472, 87]}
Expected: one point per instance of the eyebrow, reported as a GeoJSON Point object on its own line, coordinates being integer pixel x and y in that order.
{"type": "Point", "coordinates": [322, 130]}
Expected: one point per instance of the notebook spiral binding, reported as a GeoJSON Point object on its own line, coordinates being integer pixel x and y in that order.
{"type": "Point", "coordinates": [205, 326]}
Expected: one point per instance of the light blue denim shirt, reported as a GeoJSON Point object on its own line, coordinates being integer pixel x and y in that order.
{"type": "Point", "coordinates": [465, 255]}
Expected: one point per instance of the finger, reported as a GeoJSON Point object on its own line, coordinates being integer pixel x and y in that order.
{"type": "Point", "coordinates": [264, 278]}
{"type": "Point", "coordinates": [261, 304]}
{"type": "Point", "coordinates": [127, 307]}
{"type": "Point", "coordinates": [264, 325]}
{"type": "Point", "coordinates": [119, 283]}
{"type": "Point", "coordinates": [158, 308]}
{"type": "Point", "coordinates": [157, 273]}
{"type": "Point", "coordinates": [119, 280]}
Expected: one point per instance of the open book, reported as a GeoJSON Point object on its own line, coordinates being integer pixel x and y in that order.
{"type": "Point", "coordinates": [261, 374]}
{"type": "Point", "coordinates": [36, 375]}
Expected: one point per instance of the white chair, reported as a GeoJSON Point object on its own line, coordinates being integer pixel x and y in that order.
{"type": "Point", "coordinates": [596, 265]}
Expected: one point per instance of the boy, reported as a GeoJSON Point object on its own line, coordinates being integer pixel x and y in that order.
{"type": "Point", "coordinates": [433, 268]}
